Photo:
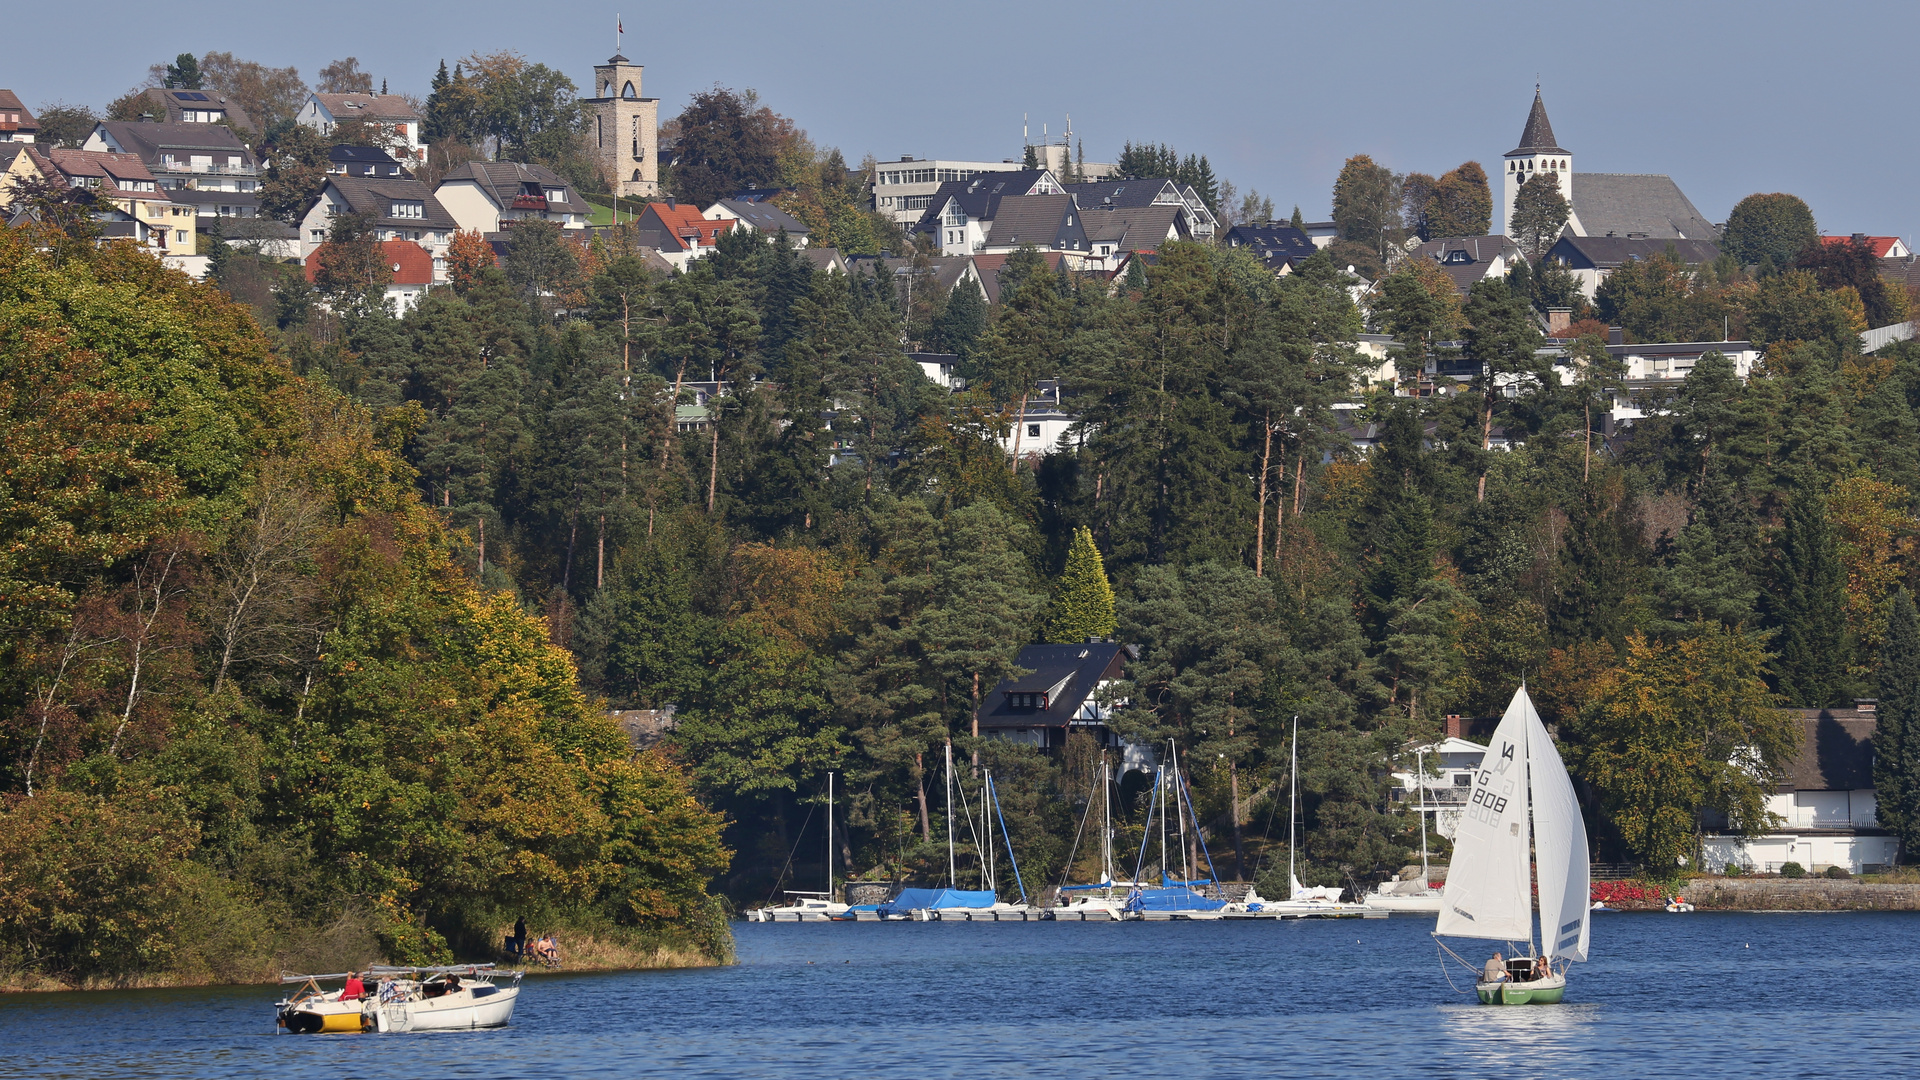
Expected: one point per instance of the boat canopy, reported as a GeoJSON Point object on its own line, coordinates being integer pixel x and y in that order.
{"type": "Point", "coordinates": [937, 899]}
{"type": "Point", "coordinates": [1176, 899]}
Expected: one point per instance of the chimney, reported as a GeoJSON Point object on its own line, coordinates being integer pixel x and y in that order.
{"type": "Point", "coordinates": [672, 203]}
{"type": "Point", "coordinates": [1866, 705]}
{"type": "Point", "coordinates": [1616, 336]}
{"type": "Point", "coordinates": [1859, 238]}
{"type": "Point", "coordinates": [1558, 319]}
{"type": "Point", "coordinates": [1454, 726]}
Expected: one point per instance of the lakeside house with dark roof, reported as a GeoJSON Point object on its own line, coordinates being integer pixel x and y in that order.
{"type": "Point", "coordinates": [1825, 802]}
{"type": "Point", "coordinates": [1066, 687]}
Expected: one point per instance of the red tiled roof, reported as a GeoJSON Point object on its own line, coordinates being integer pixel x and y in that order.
{"type": "Point", "coordinates": [1880, 244]}
{"type": "Point", "coordinates": [682, 222]}
{"type": "Point", "coordinates": [410, 262]}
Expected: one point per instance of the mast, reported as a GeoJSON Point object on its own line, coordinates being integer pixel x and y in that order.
{"type": "Point", "coordinates": [1106, 822]}
{"type": "Point", "coordinates": [986, 864]}
{"type": "Point", "coordinates": [829, 836]}
{"type": "Point", "coordinates": [1159, 790]}
{"type": "Point", "coordinates": [952, 880]}
{"type": "Point", "coordinates": [1179, 793]}
{"type": "Point", "coordinates": [1293, 790]}
{"type": "Point", "coordinates": [1425, 875]}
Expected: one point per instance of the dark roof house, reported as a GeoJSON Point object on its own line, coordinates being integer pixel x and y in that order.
{"type": "Point", "coordinates": [1636, 205]}
{"type": "Point", "coordinates": [980, 197]}
{"type": "Point", "coordinates": [364, 161]}
{"type": "Point", "coordinates": [194, 107]}
{"type": "Point", "coordinates": [1048, 222]}
{"type": "Point", "coordinates": [1281, 247]}
{"type": "Point", "coordinates": [1611, 252]}
{"type": "Point", "coordinates": [1059, 691]}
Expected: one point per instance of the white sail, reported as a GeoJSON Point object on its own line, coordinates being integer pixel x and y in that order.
{"type": "Point", "coordinates": [1489, 892]}
{"type": "Point", "coordinates": [1560, 846]}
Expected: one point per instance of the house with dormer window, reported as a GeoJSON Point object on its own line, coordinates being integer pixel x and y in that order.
{"type": "Point", "coordinates": [1065, 688]}
{"type": "Point", "coordinates": [959, 215]}
{"type": "Point", "coordinates": [486, 196]}
{"type": "Point", "coordinates": [388, 114]}
{"type": "Point", "coordinates": [396, 209]}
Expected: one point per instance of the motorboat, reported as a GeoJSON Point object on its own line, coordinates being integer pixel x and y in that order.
{"type": "Point", "coordinates": [398, 999]}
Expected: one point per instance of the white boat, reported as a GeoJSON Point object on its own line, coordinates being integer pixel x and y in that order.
{"type": "Point", "coordinates": [808, 906]}
{"type": "Point", "coordinates": [1106, 899]}
{"type": "Point", "coordinates": [1303, 901]}
{"type": "Point", "coordinates": [1392, 896]}
{"type": "Point", "coordinates": [457, 998]}
{"type": "Point", "coordinates": [1522, 799]}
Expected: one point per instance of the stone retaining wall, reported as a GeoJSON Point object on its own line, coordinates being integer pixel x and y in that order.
{"type": "Point", "coordinates": [1782, 894]}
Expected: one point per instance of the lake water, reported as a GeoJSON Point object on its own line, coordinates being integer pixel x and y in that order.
{"type": "Point", "coordinates": [1777, 995]}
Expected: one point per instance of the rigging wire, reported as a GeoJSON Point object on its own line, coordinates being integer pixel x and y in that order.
{"type": "Point", "coordinates": [796, 847]}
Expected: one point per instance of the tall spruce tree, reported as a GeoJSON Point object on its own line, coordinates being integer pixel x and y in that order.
{"type": "Point", "coordinates": [1896, 740]}
{"type": "Point", "coordinates": [986, 604]}
{"type": "Point", "coordinates": [1082, 605]}
{"type": "Point", "coordinates": [1807, 605]}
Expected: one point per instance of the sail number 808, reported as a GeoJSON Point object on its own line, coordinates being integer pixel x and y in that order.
{"type": "Point", "coordinates": [1495, 803]}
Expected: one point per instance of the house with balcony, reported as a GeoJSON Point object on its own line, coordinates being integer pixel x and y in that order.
{"type": "Point", "coordinates": [205, 166]}
{"type": "Point", "coordinates": [16, 123]}
{"type": "Point", "coordinates": [1824, 804]}
{"type": "Point", "coordinates": [959, 215]}
{"type": "Point", "coordinates": [132, 203]}
{"type": "Point", "coordinates": [385, 116]}
{"type": "Point", "coordinates": [167, 106]}
{"type": "Point", "coordinates": [1653, 371]}
{"type": "Point", "coordinates": [1441, 777]}
{"type": "Point", "coordinates": [397, 210]}
{"type": "Point", "coordinates": [1067, 688]}
{"type": "Point", "coordinates": [488, 196]}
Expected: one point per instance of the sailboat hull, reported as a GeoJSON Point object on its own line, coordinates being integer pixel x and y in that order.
{"type": "Point", "coordinates": [1546, 991]}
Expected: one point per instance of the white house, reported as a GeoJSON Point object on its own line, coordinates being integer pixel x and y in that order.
{"type": "Point", "coordinates": [760, 216]}
{"type": "Point", "coordinates": [397, 209]}
{"type": "Point", "coordinates": [1654, 370]}
{"type": "Point", "coordinates": [1825, 804]}
{"type": "Point", "coordinates": [388, 112]}
{"type": "Point", "coordinates": [483, 196]}
{"type": "Point", "coordinates": [1044, 427]}
{"type": "Point", "coordinates": [412, 267]}
{"type": "Point", "coordinates": [1442, 790]}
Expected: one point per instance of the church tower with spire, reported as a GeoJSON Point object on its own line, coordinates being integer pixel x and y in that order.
{"type": "Point", "coordinates": [1537, 153]}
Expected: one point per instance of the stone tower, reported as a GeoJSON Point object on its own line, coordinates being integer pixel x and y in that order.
{"type": "Point", "coordinates": [626, 130]}
{"type": "Point", "coordinates": [1536, 153]}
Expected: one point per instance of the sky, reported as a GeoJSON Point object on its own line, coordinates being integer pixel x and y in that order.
{"type": "Point", "coordinates": [1727, 98]}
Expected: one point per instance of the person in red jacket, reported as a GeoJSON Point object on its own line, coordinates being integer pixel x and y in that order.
{"type": "Point", "coordinates": [355, 989]}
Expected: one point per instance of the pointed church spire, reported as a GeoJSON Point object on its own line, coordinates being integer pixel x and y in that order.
{"type": "Point", "coordinates": [1539, 132]}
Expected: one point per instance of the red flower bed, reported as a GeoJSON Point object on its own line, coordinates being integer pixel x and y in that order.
{"type": "Point", "coordinates": [1626, 892]}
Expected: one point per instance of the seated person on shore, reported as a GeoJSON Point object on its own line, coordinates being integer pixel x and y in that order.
{"type": "Point", "coordinates": [1496, 970]}
{"type": "Point", "coordinates": [355, 989]}
{"type": "Point", "coordinates": [547, 949]}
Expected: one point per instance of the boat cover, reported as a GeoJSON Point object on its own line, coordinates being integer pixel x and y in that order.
{"type": "Point", "coordinates": [1180, 899]}
{"type": "Point", "coordinates": [937, 899]}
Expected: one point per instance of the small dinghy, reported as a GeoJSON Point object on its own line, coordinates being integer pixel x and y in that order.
{"type": "Point", "coordinates": [393, 999]}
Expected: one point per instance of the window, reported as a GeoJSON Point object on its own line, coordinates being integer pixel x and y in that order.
{"type": "Point", "coordinates": [179, 236]}
{"type": "Point", "coordinates": [556, 195]}
{"type": "Point", "coordinates": [1033, 431]}
{"type": "Point", "coordinates": [409, 209]}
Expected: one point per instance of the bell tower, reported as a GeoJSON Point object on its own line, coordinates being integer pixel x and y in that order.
{"type": "Point", "coordinates": [1537, 153]}
{"type": "Point", "coordinates": [626, 130]}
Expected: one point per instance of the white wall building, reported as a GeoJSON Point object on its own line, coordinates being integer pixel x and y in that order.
{"type": "Point", "coordinates": [1825, 805]}
{"type": "Point", "coordinates": [1448, 780]}
{"type": "Point", "coordinates": [902, 189]}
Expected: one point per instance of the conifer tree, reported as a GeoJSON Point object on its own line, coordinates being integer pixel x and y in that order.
{"type": "Point", "coordinates": [1896, 741]}
{"type": "Point", "coordinates": [1540, 211]}
{"type": "Point", "coordinates": [1808, 606]}
{"type": "Point", "coordinates": [986, 604]}
{"type": "Point", "coordinates": [961, 322]}
{"type": "Point", "coordinates": [1082, 604]}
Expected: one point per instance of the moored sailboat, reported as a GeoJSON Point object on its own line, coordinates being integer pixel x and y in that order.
{"type": "Point", "coordinates": [1521, 799]}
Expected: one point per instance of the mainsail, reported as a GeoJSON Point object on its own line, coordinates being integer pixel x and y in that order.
{"type": "Point", "coordinates": [1560, 846]}
{"type": "Point", "coordinates": [1489, 893]}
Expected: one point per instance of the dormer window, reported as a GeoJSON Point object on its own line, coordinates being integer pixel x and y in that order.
{"type": "Point", "coordinates": [408, 209]}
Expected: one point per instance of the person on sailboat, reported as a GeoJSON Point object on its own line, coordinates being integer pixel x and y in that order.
{"type": "Point", "coordinates": [1496, 970]}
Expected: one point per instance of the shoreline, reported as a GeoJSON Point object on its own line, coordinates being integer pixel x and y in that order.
{"type": "Point", "coordinates": [597, 958]}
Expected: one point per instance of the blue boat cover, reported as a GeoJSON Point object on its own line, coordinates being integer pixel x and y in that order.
{"type": "Point", "coordinates": [1181, 899]}
{"type": "Point", "coordinates": [916, 899]}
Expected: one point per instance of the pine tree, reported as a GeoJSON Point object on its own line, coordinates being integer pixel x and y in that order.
{"type": "Point", "coordinates": [1896, 738]}
{"type": "Point", "coordinates": [958, 327]}
{"type": "Point", "coordinates": [1296, 220]}
{"type": "Point", "coordinates": [1082, 604]}
{"type": "Point", "coordinates": [985, 606]}
{"type": "Point", "coordinates": [1808, 606]}
{"type": "Point", "coordinates": [1540, 211]}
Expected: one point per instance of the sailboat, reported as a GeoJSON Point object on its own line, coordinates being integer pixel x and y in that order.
{"type": "Point", "coordinates": [1096, 902]}
{"type": "Point", "coordinates": [1302, 902]}
{"type": "Point", "coordinates": [1521, 799]}
{"type": "Point", "coordinates": [808, 906]}
{"type": "Point", "coordinates": [1173, 898]}
{"type": "Point", "coordinates": [1393, 895]}
{"type": "Point", "coordinates": [965, 905]}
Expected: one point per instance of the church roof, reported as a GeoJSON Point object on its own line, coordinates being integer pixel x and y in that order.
{"type": "Point", "coordinates": [1539, 133]}
{"type": "Point", "coordinates": [1637, 205]}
